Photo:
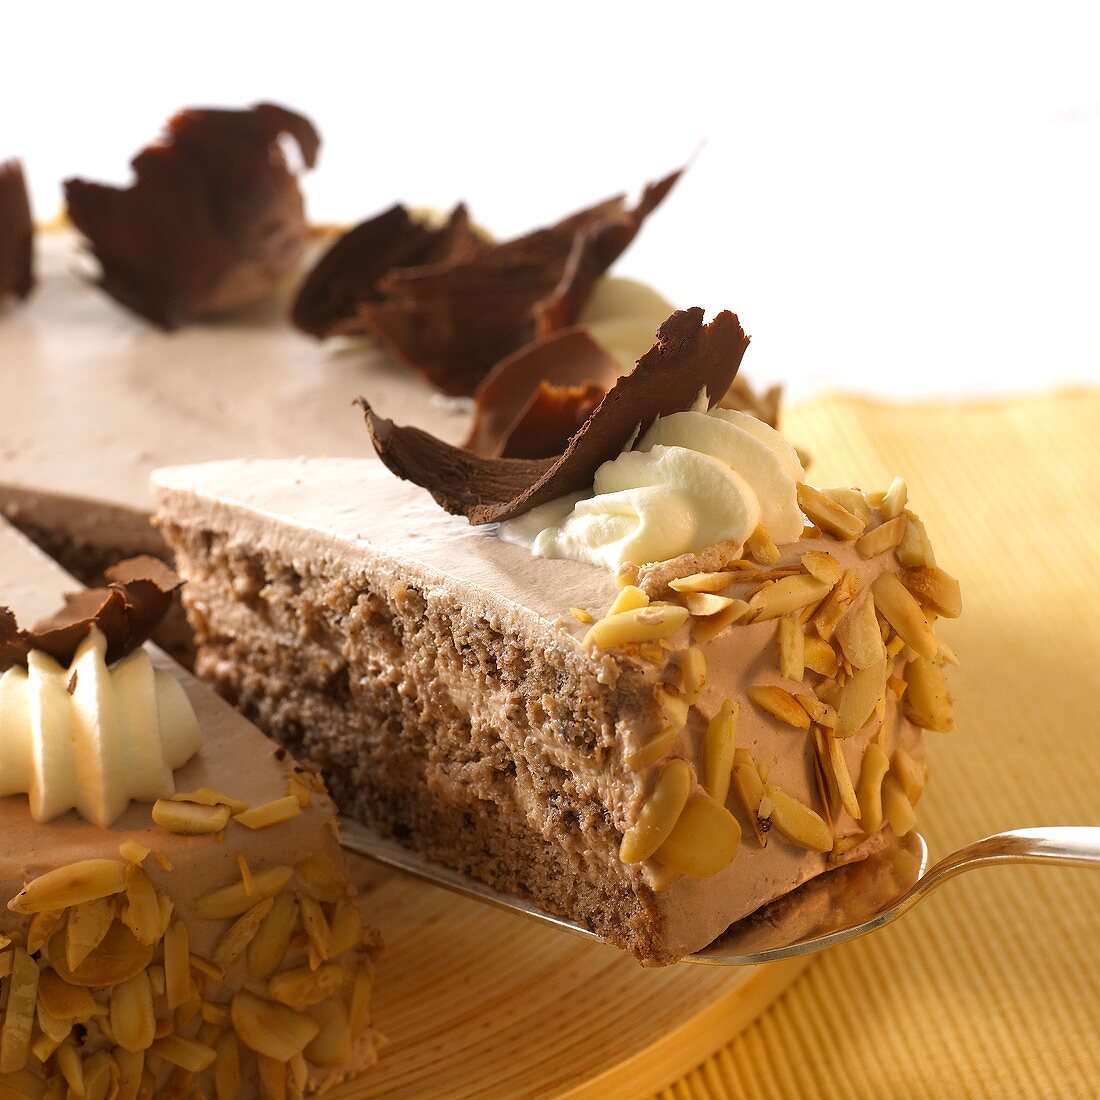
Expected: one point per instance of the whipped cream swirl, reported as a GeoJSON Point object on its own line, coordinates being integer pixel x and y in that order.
{"type": "Point", "coordinates": [694, 479]}
{"type": "Point", "coordinates": [92, 738]}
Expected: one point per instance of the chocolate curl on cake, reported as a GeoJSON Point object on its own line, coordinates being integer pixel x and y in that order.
{"type": "Point", "coordinates": [213, 221]}
{"type": "Point", "coordinates": [127, 612]}
{"type": "Point", "coordinates": [688, 357]}
{"type": "Point", "coordinates": [16, 233]}
{"type": "Point", "coordinates": [532, 403]}
{"type": "Point", "coordinates": [454, 319]}
{"type": "Point", "coordinates": [348, 274]}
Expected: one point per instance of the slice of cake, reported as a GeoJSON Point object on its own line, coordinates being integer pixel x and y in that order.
{"type": "Point", "coordinates": [206, 943]}
{"type": "Point", "coordinates": [708, 684]}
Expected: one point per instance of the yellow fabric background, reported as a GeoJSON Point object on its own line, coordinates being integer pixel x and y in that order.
{"type": "Point", "coordinates": [991, 988]}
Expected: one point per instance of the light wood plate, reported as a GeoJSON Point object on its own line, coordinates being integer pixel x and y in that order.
{"type": "Point", "coordinates": [476, 1002]}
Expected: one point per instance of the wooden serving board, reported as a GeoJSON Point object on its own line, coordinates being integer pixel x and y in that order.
{"type": "Point", "coordinates": [473, 1001]}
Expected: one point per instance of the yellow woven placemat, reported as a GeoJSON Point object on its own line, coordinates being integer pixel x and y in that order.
{"type": "Point", "coordinates": [992, 987]}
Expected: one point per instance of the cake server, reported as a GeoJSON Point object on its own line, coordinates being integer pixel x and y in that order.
{"type": "Point", "coordinates": [830, 909]}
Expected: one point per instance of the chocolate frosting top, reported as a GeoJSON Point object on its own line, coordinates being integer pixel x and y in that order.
{"type": "Point", "coordinates": [16, 232]}
{"type": "Point", "coordinates": [127, 611]}
{"type": "Point", "coordinates": [452, 305]}
{"type": "Point", "coordinates": [688, 357]}
{"type": "Point", "coordinates": [213, 221]}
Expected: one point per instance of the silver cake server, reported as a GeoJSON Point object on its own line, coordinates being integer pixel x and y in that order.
{"type": "Point", "coordinates": [830, 909]}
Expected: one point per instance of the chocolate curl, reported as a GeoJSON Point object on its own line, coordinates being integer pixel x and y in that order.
{"type": "Point", "coordinates": [16, 233]}
{"type": "Point", "coordinates": [213, 221]}
{"type": "Point", "coordinates": [349, 272]}
{"type": "Point", "coordinates": [453, 318]}
{"type": "Point", "coordinates": [688, 358]}
{"type": "Point", "coordinates": [532, 403]}
{"type": "Point", "coordinates": [127, 612]}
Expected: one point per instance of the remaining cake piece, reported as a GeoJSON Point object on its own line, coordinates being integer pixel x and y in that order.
{"type": "Point", "coordinates": [205, 944]}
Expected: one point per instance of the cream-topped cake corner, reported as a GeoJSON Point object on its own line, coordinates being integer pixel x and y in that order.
{"type": "Point", "coordinates": [175, 913]}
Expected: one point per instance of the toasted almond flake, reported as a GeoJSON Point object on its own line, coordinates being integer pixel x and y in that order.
{"type": "Point", "coordinates": [42, 926]}
{"type": "Point", "coordinates": [749, 788]}
{"type": "Point", "coordinates": [231, 901]}
{"type": "Point", "coordinates": [214, 1013]}
{"type": "Point", "coordinates": [234, 940]}
{"type": "Point", "coordinates": [653, 750]}
{"type": "Point", "coordinates": [189, 818]}
{"type": "Point", "coordinates": [178, 986]}
{"type": "Point", "coordinates": [784, 596]}
{"type": "Point", "coordinates": [823, 566]}
{"type": "Point", "coordinates": [297, 786]}
{"type": "Point", "coordinates": [704, 604]}
{"type": "Point", "coordinates": [818, 710]}
{"type": "Point", "coordinates": [829, 614]}
{"type": "Point", "coordinates": [653, 652]}
{"type": "Point", "coordinates": [658, 813]}
{"type": "Point", "coordinates": [718, 748]}
{"type": "Point", "coordinates": [859, 635]}
{"type": "Point", "coordinates": [703, 841]}
{"type": "Point", "coordinates": [909, 773]}
{"type": "Point", "coordinates": [869, 792]}
{"type": "Point", "coordinates": [819, 656]}
{"type": "Point", "coordinates": [133, 1021]}
{"type": "Point", "coordinates": [269, 1028]}
{"type": "Point", "coordinates": [270, 813]}
{"type": "Point", "coordinates": [316, 926]}
{"type": "Point", "coordinates": [188, 1054]}
{"type": "Point", "coordinates": [797, 822]}
{"type": "Point", "coordinates": [204, 796]}
{"type": "Point", "coordinates": [672, 704]}
{"type": "Point", "coordinates": [927, 700]}
{"type": "Point", "coordinates": [693, 674]}
{"type": "Point", "coordinates": [71, 1067]}
{"type": "Point", "coordinates": [823, 778]}
{"type": "Point", "coordinates": [851, 500]}
{"type": "Point", "coordinates": [896, 685]}
{"type": "Point", "coordinates": [133, 852]}
{"type": "Point", "coordinates": [945, 655]}
{"type": "Point", "coordinates": [71, 885]}
{"type": "Point", "coordinates": [780, 704]}
{"type": "Point", "coordinates": [141, 912]}
{"type": "Point", "coordinates": [22, 993]}
{"type": "Point", "coordinates": [842, 776]}
{"type": "Point", "coordinates": [303, 987]}
{"type": "Point", "coordinates": [347, 927]}
{"type": "Point", "coordinates": [62, 1001]}
{"type": "Point", "coordinates": [580, 614]}
{"type": "Point", "coordinates": [859, 698]}
{"type": "Point", "coordinates": [894, 499]}
{"type": "Point", "coordinates": [792, 649]}
{"type": "Point", "coordinates": [703, 582]}
{"type": "Point", "coordinates": [162, 861]}
{"type": "Point", "coordinates": [228, 1080]}
{"type": "Point", "coordinates": [321, 878]}
{"type": "Point", "coordinates": [706, 630]}
{"type": "Point", "coordinates": [272, 1078]}
{"type": "Point", "coordinates": [629, 598]}
{"type": "Point", "coordinates": [246, 874]}
{"type": "Point", "coordinates": [896, 807]}
{"type": "Point", "coordinates": [643, 624]}
{"type": "Point", "coordinates": [830, 517]}
{"type": "Point", "coordinates": [904, 614]}
{"type": "Point", "coordinates": [882, 538]}
{"type": "Point", "coordinates": [761, 547]}
{"type": "Point", "coordinates": [935, 589]}
{"type": "Point", "coordinates": [915, 548]}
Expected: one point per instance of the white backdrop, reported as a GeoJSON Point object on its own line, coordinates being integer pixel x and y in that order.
{"type": "Point", "coordinates": [895, 200]}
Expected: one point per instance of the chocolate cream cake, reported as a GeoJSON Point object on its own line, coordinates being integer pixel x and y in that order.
{"type": "Point", "coordinates": [653, 683]}
{"type": "Point", "coordinates": [175, 913]}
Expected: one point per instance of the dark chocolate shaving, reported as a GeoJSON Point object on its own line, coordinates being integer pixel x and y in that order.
{"type": "Point", "coordinates": [532, 403]}
{"type": "Point", "coordinates": [127, 612]}
{"type": "Point", "coordinates": [454, 318]}
{"type": "Point", "coordinates": [349, 272]}
{"type": "Point", "coordinates": [213, 221]}
{"type": "Point", "coordinates": [16, 233]}
{"type": "Point", "coordinates": [687, 358]}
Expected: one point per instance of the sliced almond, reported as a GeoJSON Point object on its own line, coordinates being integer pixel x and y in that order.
{"type": "Point", "coordinates": [859, 635]}
{"type": "Point", "coordinates": [653, 750]}
{"type": "Point", "coordinates": [658, 813]}
{"type": "Point", "coordinates": [882, 538]}
{"type": "Point", "coordinates": [269, 946]}
{"type": "Point", "coordinates": [643, 624]}
{"type": "Point", "coordinates": [780, 704]}
{"type": "Point", "coordinates": [896, 807]}
{"type": "Point", "coordinates": [693, 674]}
{"type": "Point", "coordinates": [823, 566]}
{"type": "Point", "coordinates": [915, 548]}
{"type": "Point", "coordinates": [673, 706]}
{"type": "Point", "coordinates": [303, 987]}
{"type": "Point", "coordinates": [704, 604]}
{"type": "Point", "coordinates": [792, 649]}
{"type": "Point", "coordinates": [707, 629]}
{"type": "Point", "coordinates": [703, 582]}
{"type": "Point", "coordinates": [629, 598]}
{"type": "Point", "coordinates": [703, 841]}
{"type": "Point", "coordinates": [784, 596]}
{"type": "Point", "coordinates": [133, 1021]}
{"type": "Point", "coordinates": [875, 766]}
{"type": "Point", "coordinates": [141, 912]}
{"type": "Point", "coordinates": [859, 698]}
{"type": "Point", "coordinates": [797, 822]}
{"type": "Point", "coordinates": [904, 614]}
{"type": "Point", "coordinates": [190, 818]}
{"type": "Point", "coordinates": [231, 901]}
{"type": "Point", "coordinates": [894, 499]}
{"type": "Point", "coordinates": [178, 986]}
{"type": "Point", "coordinates": [188, 1054]}
{"type": "Point", "coordinates": [819, 656]}
{"type": "Point", "coordinates": [827, 514]}
{"type": "Point", "coordinates": [934, 588]}
{"type": "Point", "coordinates": [838, 766]}
{"type": "Point", "coordinates": [71, 885]}
{"type": "Point", "coordinates": [718, 749]}
{"type": "Point", "coordinates": [829, 614]}
{"type": "Point", "coordinates": [270, 813]}
{"type": "Point", "coordinates": [927, 700]}
{"type": "Point", "coordinates": [204, 796]}
{"type": "Point", "coordinates": [270, 1028]}
{"type": "Point", "coordinates": [233, 941]}
{"type": "Point", "coordinates": [18, 1022]}
{"type": "Point", "coordinates": [750, 792]}
{"type": "Point", "coordinates": [761, 547]}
